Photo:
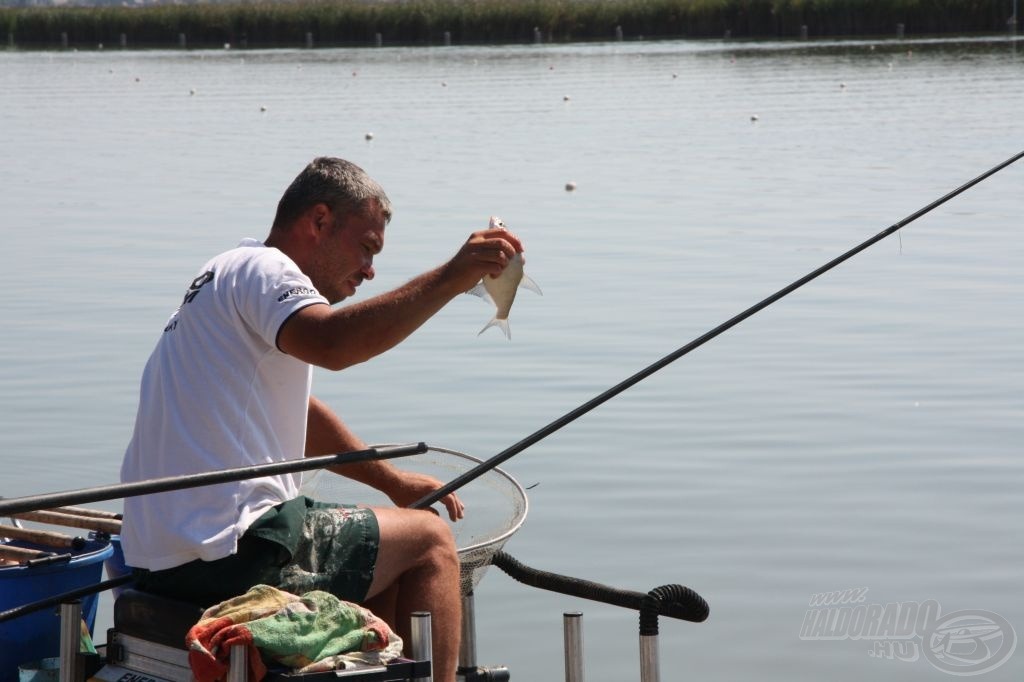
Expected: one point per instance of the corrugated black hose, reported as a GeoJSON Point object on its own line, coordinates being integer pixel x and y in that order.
{"type": "Point", "coordinates": [655, 602]}
{"type": "Point", "coordinates": [674, 601]}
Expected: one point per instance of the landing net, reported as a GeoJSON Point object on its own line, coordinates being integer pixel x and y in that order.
{"type": "Point", "coordinates": [496, 504]}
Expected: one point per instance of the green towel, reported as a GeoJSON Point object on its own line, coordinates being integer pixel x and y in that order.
{"type": "Point", "coordinates": [316, 631]}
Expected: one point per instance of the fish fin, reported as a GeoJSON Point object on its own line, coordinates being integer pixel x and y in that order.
{"type": "Point", "coordinates": [481, 291]}
{"type": "Point", "coordinates": [527, 283]}
{"type": "Point", "coordinates": [500, 324]}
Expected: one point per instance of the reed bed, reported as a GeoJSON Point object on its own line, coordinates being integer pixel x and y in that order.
{"type": "Point", "coordinates": [420, 22]}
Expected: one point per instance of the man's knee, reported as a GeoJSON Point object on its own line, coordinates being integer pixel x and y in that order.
{"type": "Point", "coordinates": [441, 542]}
{"type": "Point", "coordinates": [411, 542]}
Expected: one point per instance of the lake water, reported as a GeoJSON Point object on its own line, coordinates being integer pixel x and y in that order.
{"type": "Point", "coordinates": [864, 432]}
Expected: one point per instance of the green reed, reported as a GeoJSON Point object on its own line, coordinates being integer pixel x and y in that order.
{"type": "Point", "coordinates": [412, 22]}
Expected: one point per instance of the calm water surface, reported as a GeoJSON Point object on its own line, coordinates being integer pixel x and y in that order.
{"type": "Point", "coordinates": [864, 432]}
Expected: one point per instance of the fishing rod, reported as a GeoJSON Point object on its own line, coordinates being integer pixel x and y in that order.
{"type": "Point", "coordinates": [571, 416]}
{"type": "Point", "coordinates": [18, 505]}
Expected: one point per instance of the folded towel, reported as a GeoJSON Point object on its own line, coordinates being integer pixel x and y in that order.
{"type": "Point", "coordinates": [316, 631]}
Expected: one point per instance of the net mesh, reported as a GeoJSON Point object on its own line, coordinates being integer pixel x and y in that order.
{"type": "Point", "coordinates": [496, 504]}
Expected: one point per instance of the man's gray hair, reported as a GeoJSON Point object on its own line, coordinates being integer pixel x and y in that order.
{"type": "Point", "coordinates": [340, 184]}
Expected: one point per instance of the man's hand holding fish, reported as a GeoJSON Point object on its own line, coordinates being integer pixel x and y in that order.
{"type": "Point", "coordinates": [500, 288]}
{"type": "Point", "coordinates": [490, 250]}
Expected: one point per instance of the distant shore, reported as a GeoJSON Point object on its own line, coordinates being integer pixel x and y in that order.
{"type": "Point", "coordinates": [319, 23]}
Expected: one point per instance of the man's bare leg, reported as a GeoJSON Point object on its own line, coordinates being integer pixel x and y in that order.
{"type": "Point", "coordinates": [417, 559]}
{"type": "Point", "coordinates": [384, 604]}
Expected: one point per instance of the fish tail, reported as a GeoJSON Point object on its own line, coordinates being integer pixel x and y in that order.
{"type": "Point", "coordinates": [501, 324]}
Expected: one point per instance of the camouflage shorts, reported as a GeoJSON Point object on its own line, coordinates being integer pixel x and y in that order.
{"type": "Point", "coordinates": [336, 552]}
{"type": "Point", "coordinates": [300, 545]}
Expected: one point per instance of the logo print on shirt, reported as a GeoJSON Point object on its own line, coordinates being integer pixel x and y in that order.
{"type": "Point", "coordinates": [193, 291]}
{"type": "Point", "coordinates": [297, 291]}
{"type": "Point", "coordinates": [197, 284]}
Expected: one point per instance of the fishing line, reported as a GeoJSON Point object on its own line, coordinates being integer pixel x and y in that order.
{"type": "Point", "coordinates": [569, 417]}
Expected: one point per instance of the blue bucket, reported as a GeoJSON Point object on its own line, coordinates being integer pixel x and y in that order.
{"type": "Point", "coordinates": [37, 635]}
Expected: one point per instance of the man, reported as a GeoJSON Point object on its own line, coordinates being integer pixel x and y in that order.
{"type": "Point", "coordinates": [228, 385]}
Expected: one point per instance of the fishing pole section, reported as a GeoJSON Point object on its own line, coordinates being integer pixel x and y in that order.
{"type": "Point", "coordinates": [31, 503]}
{"type": "Point", "coordinates": [586, 407]}
{"type": "Point", "coordinates": [691, 602]}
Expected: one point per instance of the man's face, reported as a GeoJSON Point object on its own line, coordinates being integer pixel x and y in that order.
{"type": "Point", "coordinates": [345, 255]}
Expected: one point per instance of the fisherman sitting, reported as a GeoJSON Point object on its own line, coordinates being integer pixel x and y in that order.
{"type": "Point", "coordinates": [228, 385]}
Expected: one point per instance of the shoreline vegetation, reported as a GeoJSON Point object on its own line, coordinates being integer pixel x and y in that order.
{"type": "Point", "coordinates": [349, 23]}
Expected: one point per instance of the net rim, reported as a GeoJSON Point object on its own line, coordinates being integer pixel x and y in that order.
{"type": "Point", "coordinates": [519, 520]}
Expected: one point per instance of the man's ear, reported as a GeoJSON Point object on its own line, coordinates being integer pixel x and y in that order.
{"type": "Point", "coordinates": [318, 221]}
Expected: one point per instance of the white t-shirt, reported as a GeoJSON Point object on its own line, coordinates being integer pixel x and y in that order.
{"type": "Point", "coordinates": [217, 393]}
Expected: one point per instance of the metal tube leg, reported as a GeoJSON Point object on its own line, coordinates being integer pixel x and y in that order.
{"type": "Point", "coordinates": [422, 646]}
{"type": "Point", "coordinates": [572, 630]}
{"type": "Point", "coordinates": [649, 658]}
{"type": "Point", "coordinates": [70, 638]}
{"type": "Point", "coordinates": [467, 641]}
{"type": "Point", "coordinates": [238, 666]}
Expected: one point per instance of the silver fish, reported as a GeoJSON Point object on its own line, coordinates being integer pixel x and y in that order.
{"type": "Point", "coordinates": [501, 290]}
